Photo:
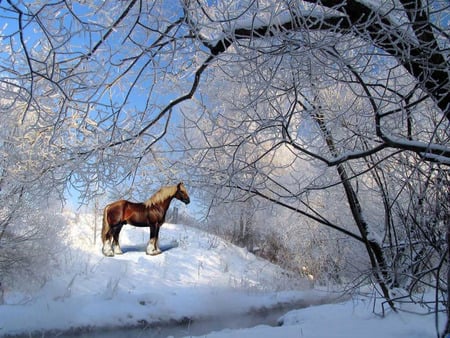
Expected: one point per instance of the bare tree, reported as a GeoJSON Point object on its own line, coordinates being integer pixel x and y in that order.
{"type": "Point", "coordinates": [347, 35]}
{"type": "Point", "coordinates": [102, 84]}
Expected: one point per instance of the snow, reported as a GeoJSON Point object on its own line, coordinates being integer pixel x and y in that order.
{"type": "Point", "coordinates": [198, 278]}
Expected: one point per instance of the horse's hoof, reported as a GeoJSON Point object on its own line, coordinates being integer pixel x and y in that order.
{"type": "Point", "coordinates": [154, 252]}
{"type": "Point", "coordinates": [108, 253]}
{"type": "Point", "coordinates": [117, 251]}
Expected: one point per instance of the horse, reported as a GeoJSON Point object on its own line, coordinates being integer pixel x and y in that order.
{"type": "Point", "coordinates": [151, 213]}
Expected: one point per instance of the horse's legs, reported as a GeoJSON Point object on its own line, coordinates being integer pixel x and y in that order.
{"type": "Point", "coordinates": [107, 242]}
{"type": "Point", "coordinates": [115, 235]}
{"type": "Point", "coordinates": [107, 237]}
{"type": "Point", "coordinates": [153, 245]}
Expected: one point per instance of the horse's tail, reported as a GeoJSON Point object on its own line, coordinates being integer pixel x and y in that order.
{"type": "Point", "coordinates": [105, 224]}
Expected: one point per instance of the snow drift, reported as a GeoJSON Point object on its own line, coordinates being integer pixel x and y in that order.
{"type": "Point", "coordinates": [198, 277]}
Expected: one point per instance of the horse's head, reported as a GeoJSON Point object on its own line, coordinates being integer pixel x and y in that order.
{"type": "Point", "coordinates": [182, 193]}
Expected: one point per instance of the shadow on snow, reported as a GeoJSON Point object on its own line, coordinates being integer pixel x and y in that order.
{"type": "Point", "coordinates": [142, 247]}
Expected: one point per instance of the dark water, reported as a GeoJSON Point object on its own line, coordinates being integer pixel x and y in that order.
{"type": "Point", "coordinates": [180, 328]}
{"type": "Point", "coordinates": [188, 327]}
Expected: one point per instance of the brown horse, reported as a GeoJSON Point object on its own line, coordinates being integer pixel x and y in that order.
{"type": "Point", "coordinates": [151, 213]}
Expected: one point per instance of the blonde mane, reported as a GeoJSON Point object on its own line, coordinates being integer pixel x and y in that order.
{"type": "Point", "coordinates": [161, 195]}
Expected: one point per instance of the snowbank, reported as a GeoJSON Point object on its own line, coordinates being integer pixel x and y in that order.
{"type": "Point", "coordinates": [198, 277]}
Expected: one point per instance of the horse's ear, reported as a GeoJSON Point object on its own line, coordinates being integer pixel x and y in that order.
{"type": "Point", "coordinates": [179, 185]}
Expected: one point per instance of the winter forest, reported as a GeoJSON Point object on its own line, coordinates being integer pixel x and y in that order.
{"type": "Point", "coordinates": [315, 134]}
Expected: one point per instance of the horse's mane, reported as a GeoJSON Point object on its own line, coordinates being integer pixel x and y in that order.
{"type": "Point", "coordinates": [161, 195]}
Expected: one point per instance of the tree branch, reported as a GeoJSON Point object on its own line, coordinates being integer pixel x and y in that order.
{"type": "Point", "coordinates": [301, 212]}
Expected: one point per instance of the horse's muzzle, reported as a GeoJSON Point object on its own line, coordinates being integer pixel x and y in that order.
{"type": "Point", "coordinates": [187, 201]}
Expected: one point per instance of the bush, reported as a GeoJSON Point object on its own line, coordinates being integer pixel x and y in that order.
{"type": "Point", "coordinates": [30, 239]}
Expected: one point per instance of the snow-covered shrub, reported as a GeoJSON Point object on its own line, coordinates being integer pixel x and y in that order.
{"type": "Point", "coordinates": [31, 238]}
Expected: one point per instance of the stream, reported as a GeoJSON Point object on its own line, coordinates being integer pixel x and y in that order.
{"type": "Point", "coordinates": [190, 327]}
{"type": "Point", "coordinates": [186, 326]}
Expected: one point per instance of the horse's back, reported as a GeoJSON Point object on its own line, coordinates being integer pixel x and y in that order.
{"type": "Point", "coordinates": [123, 204]}
{"type": "Point", "coordinates": [117, 205]}
{"type": "Point", "coordinates": [124, 211]}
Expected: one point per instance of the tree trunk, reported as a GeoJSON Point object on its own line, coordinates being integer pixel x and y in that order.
{"type": "Point", "coordinates": [373, 248]}
{"type": "Point", "coordinates": [446, 333]}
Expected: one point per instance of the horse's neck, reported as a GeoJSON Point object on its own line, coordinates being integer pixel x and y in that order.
{"type": "Point", "coordinates": [157, 211]}
{"type": "Point", "coordinates": [162, 198]}
{"type": "Point", "coordinates": [166, 203]}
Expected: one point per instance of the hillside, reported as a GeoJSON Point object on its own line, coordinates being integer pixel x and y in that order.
{"type": "Point", "coordinates": [197, 285]}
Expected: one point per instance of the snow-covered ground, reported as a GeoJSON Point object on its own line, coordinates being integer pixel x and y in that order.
{"type": "Point", "coordinates": [197, 279]}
